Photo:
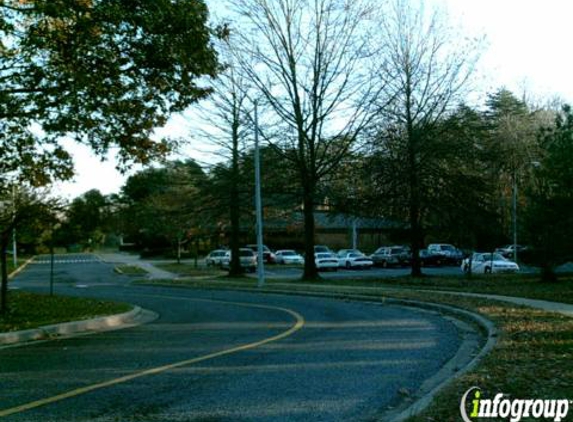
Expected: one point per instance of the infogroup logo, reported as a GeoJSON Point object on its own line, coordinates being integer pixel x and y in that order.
{"type": "Point", "coordinates": [511, 409]}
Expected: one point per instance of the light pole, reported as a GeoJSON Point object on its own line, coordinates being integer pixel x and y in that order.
{"type": "Point", "coordinates": [258, 205]}
{"type": "Point", "coordinates": [514, 216]}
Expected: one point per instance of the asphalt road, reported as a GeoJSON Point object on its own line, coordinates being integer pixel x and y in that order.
{"type": "Point", "coordinates": [221, 356]}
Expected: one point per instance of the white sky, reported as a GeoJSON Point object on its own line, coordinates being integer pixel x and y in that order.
{"type": "Point", "coordinates": [528, 49]}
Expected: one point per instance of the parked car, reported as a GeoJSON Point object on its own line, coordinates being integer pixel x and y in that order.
{"type": "Point", "coordinates": [322, 249]}
{"type": "Point", "coordinates": [507, 251]}
{"type": "Point", "coordinates": [450, 255]}
{"type": "Point", "coordinates": [354, 260]}
{"type": "Point", "coordinates": [429, 260]}
{"type": "Point", "coordinates": [288, 256]}
{"type": "Point", "coordinates": [268, 256]}
{"type": "Point", "coordinates": [326, 261]}
{"type": "Point", "coordinates": [215, 258]}
{"type": "Point", "coordinates": [487, 263]}
{"type": "Point", "coordinates": [247, 257]}
{"type": "Point", "coordinates": [389, 256]}
{"type": "Point", "coordinates": [343, 252]}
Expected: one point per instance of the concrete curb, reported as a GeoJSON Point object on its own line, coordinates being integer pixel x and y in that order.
{"type": "Point", "coordinates": [67, 329]}
{"type": "Point", "coordinates": [19, 269]}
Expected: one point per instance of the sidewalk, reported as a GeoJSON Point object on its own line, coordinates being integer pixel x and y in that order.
{"type": "Point", "coordinates": [153, 272]}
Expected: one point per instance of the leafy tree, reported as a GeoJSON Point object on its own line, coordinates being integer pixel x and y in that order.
{"type": "Point", "coordinates": [549, 221]}
{"type": "Point", "coordinates": [22, 207]}
{"type": "Point", "coordinates": [164, 204]}
{"type": "Point", "coordinates": [104, 72]}
{"type": "Point", "coordinates": [87, 221]}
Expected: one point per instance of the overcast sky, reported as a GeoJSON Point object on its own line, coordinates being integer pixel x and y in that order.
{"type": "Point", "coordinates": [528, 49]}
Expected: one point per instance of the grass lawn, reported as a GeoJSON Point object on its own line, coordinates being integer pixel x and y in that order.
{"type": "Point", "coordinates": [531, 360]}
{"type": "Point", "coordinates": [527, 286]}
{"type": "Point", "coordinates": [28, 310]}
{"type": "Point", "coordinates": [533, 356]}
{"type": "Point", "coordinates": [129, 270]}
{"type": "Point", "coordinates": [189, 270]}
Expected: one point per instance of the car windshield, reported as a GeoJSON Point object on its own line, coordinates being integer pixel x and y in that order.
{"type": "Point", "coordinates": [246, 252]}
{"type": "Point", "coordinates": [288, 253]}
{"type": "Point", "coordinates": [354, 255]}
{"type": "Point", "coordinates": [323, 255]}
{"type": "Point", "coordinates": [448, 248]}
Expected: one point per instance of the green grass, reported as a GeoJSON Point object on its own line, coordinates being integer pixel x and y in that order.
{"type": "Point", "coordinates": [129, 270]}
{"type": "Point", "coordinates": [189, 270]}
{"type": "Point", "coordinates": [28, 310]}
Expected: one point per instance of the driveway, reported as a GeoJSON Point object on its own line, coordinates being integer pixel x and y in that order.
{"type": "Point", "coordinates": [222, 356]}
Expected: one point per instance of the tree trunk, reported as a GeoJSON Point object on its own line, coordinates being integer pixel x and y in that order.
{"type": "Point", "coordinates": [4, 283]}
{"type": "Point", "coordinates": [415, 197]}
{"type": "Point", "coordinates": [310, 271]}
{"type": "Point", "coordinates": [178, 250]}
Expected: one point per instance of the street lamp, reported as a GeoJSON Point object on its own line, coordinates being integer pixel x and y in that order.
{"type": "Point", "coordinates": [258, 205]}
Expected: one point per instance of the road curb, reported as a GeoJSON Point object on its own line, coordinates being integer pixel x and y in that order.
{"type": "Point", "coordinates": [19, 269]}
{"type": "Point", "coordinates": [131, 318]}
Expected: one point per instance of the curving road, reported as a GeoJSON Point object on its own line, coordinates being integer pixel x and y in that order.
{"type": "Point", "coordinates": [221, 356]}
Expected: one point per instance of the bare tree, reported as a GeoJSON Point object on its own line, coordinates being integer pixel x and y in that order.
{"type": "Point", "coordinates": [309, 61]}
{"type": "Point", "coordinates": [424, 72]}
{"type": "Point", "coordinates": [228, 127]}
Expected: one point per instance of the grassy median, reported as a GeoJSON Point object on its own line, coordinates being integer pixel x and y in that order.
{"type": "Point", "coordinates": [29, 310]}
{"type": "Point", "coordinates": [190, 270]}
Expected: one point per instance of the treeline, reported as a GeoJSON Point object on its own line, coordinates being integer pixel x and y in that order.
{"type": "Point", "coordinates": [479, 172]}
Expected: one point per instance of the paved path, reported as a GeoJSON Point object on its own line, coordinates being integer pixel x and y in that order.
{"type": "Point", "coordinates": [129, 259]}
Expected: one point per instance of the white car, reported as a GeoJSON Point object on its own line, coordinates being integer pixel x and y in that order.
{"type": "Point", "coordinates": [247, 258]}
{"type": "Point", "coordinates": [355, 260]}
{"type": "Point", "coordinates": [288, 256]}
{"type": "Point", "coordinates": [326, 261]}
{"type": "Point", "coordinates": [487, 263]}
{"type": "Point", "coordinates": [215, 258]}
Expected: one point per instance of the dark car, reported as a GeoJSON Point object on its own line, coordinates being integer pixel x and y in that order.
{"type": "Point", "coordinates": [391, 256]}
{"type": "Point", "coordinates": [428, 259]}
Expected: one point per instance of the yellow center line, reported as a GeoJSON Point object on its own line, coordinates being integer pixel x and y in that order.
{"type": "Point", "coordinates": [153, 371]}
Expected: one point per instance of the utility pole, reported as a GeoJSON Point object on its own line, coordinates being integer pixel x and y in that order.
{"type": "Point", "coordinates": [258, 206]}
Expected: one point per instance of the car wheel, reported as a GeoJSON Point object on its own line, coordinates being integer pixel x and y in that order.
{"type": "Point", "coordinates": [466, 268]}
{"type": "Point", "coordinates": [384, 264]}
{"type": "Point", "coordinates": [348, 265]}
{"type": "Point", "coordinates": [487, 270]}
